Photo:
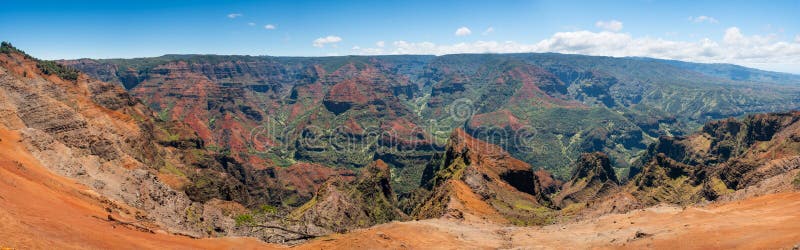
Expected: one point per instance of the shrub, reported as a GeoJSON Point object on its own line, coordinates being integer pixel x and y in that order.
{"type": "Point", "coordinates": [7, 48]}
{"type": "Point", "coordinates": [47, 67]}
{"type": "Point", "coordinates": [50, 68]}
{"type": "Point", "coordinates": [267, 209]}
{"type": "Point", "coordinates": [244, 219]}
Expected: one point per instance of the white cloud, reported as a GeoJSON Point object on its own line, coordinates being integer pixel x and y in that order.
{"type": "Point", "coordinates": [463, 31]}
{"type": "Point", "coordinates": [322, 41]}
{"type": "Point", "coordinates": [380, 44]}
{"type": "Point", "coordinates": [612, 25]}
{"type": "Point", "coordinates": [701, 19]}
{"type": "Point", "coordinates": [733, 35]}
{"type": "Point", "coordinates": [733, 47]}
{"type": "Point", "coordinates": [368, 51]}
{"type": "Point", "coordinates": [270, 27]}
{"type": "Point", "coordinates": [234, 15]}
{"type": "Point", "coordinates": [251, 24]}
{"type": "Point", "coordinates": [488, 31]}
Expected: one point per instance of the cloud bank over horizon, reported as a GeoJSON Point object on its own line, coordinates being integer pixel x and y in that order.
{"type": "Point", "coordinates": [735, 47]}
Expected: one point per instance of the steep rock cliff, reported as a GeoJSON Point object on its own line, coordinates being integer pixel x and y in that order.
{"type": "Point", "coordinates": [592, 178]}
{"type": "Point", "coordinates": [481, 181]}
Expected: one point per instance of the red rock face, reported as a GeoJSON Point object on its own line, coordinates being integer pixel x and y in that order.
{"type": "Point", "coordinates": [306, 178]}
{"type": "Point", "coordinates": [550, 184]}
{"type": "Point", "coordinates": [498, 119]}
{"type": "Point", "coordinates": [481, 179]}
{"type": "Point", "coordinates": [109, 145]}
{"type": "Point", "coordinates": [342, 205]}
{"type": "Point", "coordinates": [343, 96]}
{"type": "Point", "coordinates": [405, 135]}
{"type": "Point", "coordinates": [538, 87]}
{"type": "Point", "coordinates": [487, 156]}
{"type": "Point", "coordinates": [358, 88]}
{"type": "Point", "coordinates": [186, 92]}
{"type": "Point", "coordinates": [348, 91]}
{"type": "Point", "coordinates": [726, 156]}
{"type": "Point", "coordinates": [592, 179]}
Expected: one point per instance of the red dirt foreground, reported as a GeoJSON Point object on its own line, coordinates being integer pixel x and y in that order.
{"type": "Point", "coordinates": [39, 209]}
{"type": "Point", "coordinates": [42, 210]}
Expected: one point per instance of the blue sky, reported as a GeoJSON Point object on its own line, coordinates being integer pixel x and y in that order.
{"type": "Point", "coordinates": [762, 34]}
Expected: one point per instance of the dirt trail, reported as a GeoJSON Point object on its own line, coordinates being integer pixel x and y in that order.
{"type": "Point", "coordinates": [39, 210]}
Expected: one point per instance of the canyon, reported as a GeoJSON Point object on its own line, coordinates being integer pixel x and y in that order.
{"type": "Point", "coordinates": [479, 151]}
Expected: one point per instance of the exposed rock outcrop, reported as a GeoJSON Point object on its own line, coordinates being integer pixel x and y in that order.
{"type": "Point", "coordinates": [96, 133]}
{"type": "Point", "coordinates": [729, 159]}
{"type": "Point", "coordinates": [481, 181]}
{"type": "Point", "coordinates": [593, 178]}
{"type": "Point", "coordinates": [727, 155]}
{"type": "Point", "coordinates": [342, 205]}
{"type": "Point", "coordinates": [666, 180]}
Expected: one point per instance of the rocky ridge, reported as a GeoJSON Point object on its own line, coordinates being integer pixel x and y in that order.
{"type": "Point", "coordinates": [340, 206]}
{"type": "Point", "coordinates": [592, 179]}
{"type": "Point", "coordinates": [480, 181]}
{"type": "Point", "coordinates": [725, 156]}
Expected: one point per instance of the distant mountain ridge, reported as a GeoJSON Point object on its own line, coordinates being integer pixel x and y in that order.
{"type": "Point", "coordinates": [719, 70]}
{"type": "Point", "coordinates": [732, 71]}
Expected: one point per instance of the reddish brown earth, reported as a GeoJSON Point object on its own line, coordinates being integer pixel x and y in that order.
{"type": "Point", "coordinates": [501, 119]}
{"type": "Point", "coordinates": [481, 181]}
{"type": "Point", "coordinates": [722, 226]}
{"type": "Point", "coordinates": [43, 210]}
{"type": "Point", "coordinates": [539, 87]}
{"type": "Point", "coordinates": [306, 177]}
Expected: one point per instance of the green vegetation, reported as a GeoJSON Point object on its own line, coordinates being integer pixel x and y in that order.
{"type": "Point", "coordinates": [164, 114]}
{"type": "Point", "coordinates": [192, 215]}
{"type": "Point", "coordinates": [171, 169]}
{"type": "Point", "coordinates": [524, 213]}
{"type": "Point", "coordinates": [252, 218]}
{"type": "Point", "coordinates": [719, 186]}
{"type": "Point", "coordinates": [244, 220]}
{"type": "Point", "coordinates": [298, 212]}
{"type": "Point", "coordinates": [47, 67]}
{"type": "Point", "coordinates": [53, 68]}
{"type": "Point", "coordinates": [267, 209]}
{"type": "Point", "coordinates": [7, 48]}
{"type": "Point", "coordinates": [573, 209]}
{"type": "Point", "coordinates": [280, 161]}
